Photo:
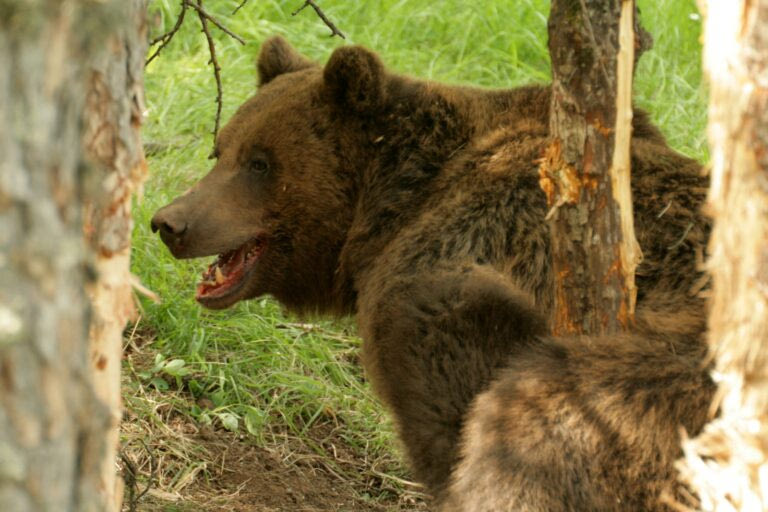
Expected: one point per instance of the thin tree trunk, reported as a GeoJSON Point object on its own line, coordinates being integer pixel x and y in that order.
{"type": "Point", "coordinates": [56, 453]}
{"type": "Point", "coordinates": [728, 464]}
{"type": "Point", "coordinates": [585, 171]}
{"type": "Point", "coordinates": [112, 142]}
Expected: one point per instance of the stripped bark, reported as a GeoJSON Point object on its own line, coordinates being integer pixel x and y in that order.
{"type": "Point", "coordinates": [728, 463]}
{"type": "Point", "coordinates": [112, 142]}
{"type": "Point", "coordinates": [585, 171]}
{"type": "Point", "coordinates": [57, 429]}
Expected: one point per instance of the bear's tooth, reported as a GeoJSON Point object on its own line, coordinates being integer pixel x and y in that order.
{"type": "Point", "coordinates": [219, 276]}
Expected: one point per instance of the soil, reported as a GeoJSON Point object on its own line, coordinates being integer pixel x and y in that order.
{"type": "Point", "coordinates": [182, 466]}
{"type": "Point", "coordinates": [252, 479]}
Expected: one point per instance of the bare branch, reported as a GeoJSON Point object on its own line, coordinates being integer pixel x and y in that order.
{"type": "Point", "coordinates": [214, 62]}
{"type": "Point", "coordinates": [166, 38]}
{"type": "Point", "coordinates": [152, 471]}
{"type": "Point", "coordinates": [334, 30]}
{"type": "Point", "coordinates": [206, 15]}
{"type": "Point", "coordinates": [130, 475]}
{"type": "Point", "coordinates": [242, 4]}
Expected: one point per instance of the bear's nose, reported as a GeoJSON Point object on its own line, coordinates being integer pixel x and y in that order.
{"type": "Point", "coordinates": [167, 224]}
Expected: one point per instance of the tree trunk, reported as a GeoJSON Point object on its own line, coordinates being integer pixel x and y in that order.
{"type": "Point", "coordinates": [112, 143]}
{"type": "Point", "coordinates": [57, 432]}
{"type": "Point", "coordinates": [728, 464]}
{"type": "Point", "coordinates": [585, 171]}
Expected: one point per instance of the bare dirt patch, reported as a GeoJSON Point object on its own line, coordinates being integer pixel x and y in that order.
{"type": "Point", "coordinates": [254, 479]}
{"type": "Point", "coordinates": [246, 478]}
{"type": "Point", "coordinates": [182, 466]}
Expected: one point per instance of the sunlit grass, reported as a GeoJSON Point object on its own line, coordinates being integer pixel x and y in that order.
{"type": "Point", "coordinates": [259, 372]}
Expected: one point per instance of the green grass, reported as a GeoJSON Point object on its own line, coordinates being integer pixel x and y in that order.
{"type": "Point", "coordinates": [259, 372]}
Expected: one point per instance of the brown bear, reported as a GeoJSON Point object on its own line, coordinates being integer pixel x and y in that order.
{"type": "Point", "coordinates": [415, 206]}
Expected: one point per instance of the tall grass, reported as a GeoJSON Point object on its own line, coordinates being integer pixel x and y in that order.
{"type": "Point", "coordinates": [257, 371]}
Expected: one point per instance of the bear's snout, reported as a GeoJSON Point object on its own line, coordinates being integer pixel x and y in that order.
{"type": "Point", "coordinates": [167, 225]}
{"type": "Point", "coordinates": [172, 228]}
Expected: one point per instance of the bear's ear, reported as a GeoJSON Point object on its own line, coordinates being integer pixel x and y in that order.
{"type": "Point", "coordinates": [278, 57]}
{"type": "Point", "coordinates": [354, 78]}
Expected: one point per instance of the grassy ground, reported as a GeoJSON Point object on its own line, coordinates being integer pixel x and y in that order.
{"type": "Point", "coordinates": [291, 386]}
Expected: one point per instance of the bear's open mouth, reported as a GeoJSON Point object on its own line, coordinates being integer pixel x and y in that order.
{"type": "Point", "coordinates": [225, 276]}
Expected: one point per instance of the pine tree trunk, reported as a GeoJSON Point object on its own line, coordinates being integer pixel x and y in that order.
{"type": "Point", "coordinates": [727, 465]}
{"type": "Point", "coordinates": [585, 171]}
{"type": "Point", "coordinates": [57, 427]}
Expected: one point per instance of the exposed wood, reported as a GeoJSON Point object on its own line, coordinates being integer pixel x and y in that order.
{"type": "Point", "coordinates": [585, 171]}
{"type": "Point", "coordinates": [728, 464]}
{"type": "Point", "coordinates": [629, 249]}
{"type": "Point", "coordinates": [112, 144]}
{"type": "Point", "coordinates": [58, 418]}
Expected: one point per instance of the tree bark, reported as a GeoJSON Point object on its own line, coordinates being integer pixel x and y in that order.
{"type": "Point", "coordinates": [728, 464]}
{"type": "Point", "coordinates": [112, 143]}
{"type": "Point", "coordinates": [57, 430]}
{"type": "Point", "coordinates": [585, 171]}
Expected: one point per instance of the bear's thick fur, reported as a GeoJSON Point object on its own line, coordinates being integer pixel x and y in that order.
{"type": "Point", "coordinates": [415, 206]}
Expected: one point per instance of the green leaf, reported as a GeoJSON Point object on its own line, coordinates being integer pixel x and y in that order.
{"type": "Point", "coordinates": [254, 421]}
{"type": "Point", "coordinates": [195, 387]}
{"type": "Point", "coordinates": [160, 384]}
{"type": "Point", "coordinates": [229, 420]}
{"type": "Point", "coordinates": [159, 360]}
{"type": "Point", "coordinates": [176, 368]}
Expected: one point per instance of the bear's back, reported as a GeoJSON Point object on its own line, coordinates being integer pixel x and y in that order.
{"type": "Point", "coordinates": [486, 207]}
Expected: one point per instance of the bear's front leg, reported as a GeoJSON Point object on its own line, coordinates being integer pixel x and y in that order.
{"type": "Point", "coordinates": [431, 344]}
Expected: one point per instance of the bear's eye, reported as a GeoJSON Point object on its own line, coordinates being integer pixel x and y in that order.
{"type": "Point", "coordinates": [259, 165]}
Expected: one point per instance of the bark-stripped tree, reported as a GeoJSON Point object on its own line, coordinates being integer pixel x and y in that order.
{"type": "Point", "coordinates": [728, 464]}
{"type": "Point", "coordinates": [585, 171]}
{"type": "Point", "coordinates": [70, 97]}
{"type": "Point", "coordinates": [112, 143]}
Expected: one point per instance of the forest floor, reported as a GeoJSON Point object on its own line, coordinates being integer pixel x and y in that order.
{"type": "Point", "coordinates": [181, 465]}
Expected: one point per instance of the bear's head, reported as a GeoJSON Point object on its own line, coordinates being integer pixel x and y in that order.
{"type": "Point", "coordinates": [278, 203]}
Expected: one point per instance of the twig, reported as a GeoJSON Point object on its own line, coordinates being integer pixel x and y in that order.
{"type": "Point", "coordinates": [334, 30]}
{"type": "Point", "coordinates": [130, 477]}
{"type": "Point", "coordinates": [152, 470]}
{"type": "Point", "coordinates": [143, 290]}
{"type": "Point", "coordinates": [205, 15]}
{"type": "Point", "coordinates": [130, 342]}
{"type": "Point", "coordinates": [682, 238]}
{"type": "Point", "coordinates": [166, 38]}
{"type": "Point", "coordinates": [242, 4]}
{"type": "Point", "coordinates": [214, 62]}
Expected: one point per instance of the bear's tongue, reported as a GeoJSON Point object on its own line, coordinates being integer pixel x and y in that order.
{"type": "Point", "coordinates": [227, 271]}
